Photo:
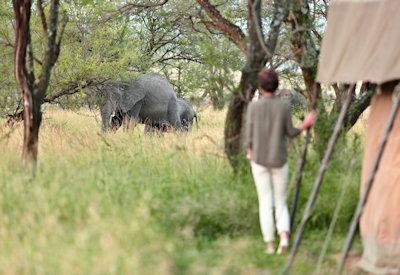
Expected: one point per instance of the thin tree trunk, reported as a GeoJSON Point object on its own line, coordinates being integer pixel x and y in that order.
{"type": "Point", "coordinates": [235, 116]}
{"type": "Point", "coordinates": [22, 11]}
{"type": "Point", "coordinates": [32, 121]}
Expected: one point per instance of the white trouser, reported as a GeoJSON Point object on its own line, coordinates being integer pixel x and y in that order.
{"type": "Point", "coordinates": [271, 184]}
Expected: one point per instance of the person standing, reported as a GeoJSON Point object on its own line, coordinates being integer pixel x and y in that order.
{"type": "Point", "coordinates": [268, 124]}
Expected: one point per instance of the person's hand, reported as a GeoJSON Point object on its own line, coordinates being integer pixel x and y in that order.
{"type": "Point", "coordinates": [309, 120]}
{"type": "Point", "coordinates": [249, 153]}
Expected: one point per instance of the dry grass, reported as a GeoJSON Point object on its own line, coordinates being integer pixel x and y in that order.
{"type": "Point", "coordinates": [71, 132]}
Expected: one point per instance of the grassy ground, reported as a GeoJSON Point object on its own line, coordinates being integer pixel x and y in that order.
{"type": "Point", "coordinates": [127, 203]}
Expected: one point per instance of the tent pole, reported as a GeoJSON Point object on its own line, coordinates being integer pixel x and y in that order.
{"type": "Point", "coordinates": [370, 180]}
{"type": "Point", "coordinates": [318, 180]}
{"type": "Point", "coordinates": [299, 174]}
{"type": "Point", "coordinates": [302, 161]}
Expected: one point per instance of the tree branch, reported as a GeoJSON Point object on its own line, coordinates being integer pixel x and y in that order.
{"type": "Point", "coordinates": [73, 88]}
{"type": "Point", "coordinates": [128, 8]}
{"type": "Point", "coordinates": [280, 12]}
{"type": "Point", "coordinates": [60, 36]}
{"type": "Point", "coordinates": [231, 31]}
{"type": "Point", "coordinates": [42, 16]}
{"type": "Point", "coordinates": [50, 50]}
{"type": "Point", "coordinates": [22, 17]}
{"type": "Point", "coordinates": [360, 104]}
{"type": "Point", "coordinates": [303, 46]}
{"type": "Point", "coordinates": [258, 28]}
{"type": "Point", "coordinates": [69, 89]}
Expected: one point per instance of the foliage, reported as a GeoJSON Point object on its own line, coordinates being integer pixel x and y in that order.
{"type": "Point", "coordinates": [8, 98]}
{"type": "Point", "coordinates": [100, 43]}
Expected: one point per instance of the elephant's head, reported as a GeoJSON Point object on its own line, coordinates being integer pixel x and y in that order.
{"type": "Point", "coordinates": [186, 114]}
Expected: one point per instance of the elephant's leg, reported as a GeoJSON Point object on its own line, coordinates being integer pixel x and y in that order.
{"type": "Point", "coordinates": [163, 128]}
{"type": "Point", "coordinates": [132, 117]}
{"type": "Point", "coordinates": [150, 129]}
{"type": "Point", "coordinates": [172, 114]}
{"type": "Point", "coordinates": [126, 122]}
{"type": "Point", "coordinates": [185, 124]}
{"type": "Point", "coordinates": [154, 128]}
{"type": "Point", "coordinates": [106, 112]}
{"type": "Point", "coordinates": [116, 120]}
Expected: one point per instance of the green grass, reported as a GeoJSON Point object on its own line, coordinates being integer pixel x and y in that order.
{"type": "Point", "coordinates": [127, 203]}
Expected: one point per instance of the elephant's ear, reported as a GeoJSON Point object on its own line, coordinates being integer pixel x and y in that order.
{"type": "Point", "coordinates": [133, 92]}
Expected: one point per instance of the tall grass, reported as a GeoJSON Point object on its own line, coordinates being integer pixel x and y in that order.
{"type": "Point", "coordinates": [129, 203]}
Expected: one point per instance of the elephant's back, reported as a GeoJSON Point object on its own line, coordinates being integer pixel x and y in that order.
{"type": "Point", "coordinates": [159, 97]}
{"type": "Point", "coordinates": [156, 87]}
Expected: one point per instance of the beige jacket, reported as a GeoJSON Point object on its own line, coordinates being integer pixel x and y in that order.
{"type": "Point", "coordinates": [268, 123]}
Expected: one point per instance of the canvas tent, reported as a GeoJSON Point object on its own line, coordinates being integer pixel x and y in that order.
{"type": "Point", "coordinates": [362, 43]}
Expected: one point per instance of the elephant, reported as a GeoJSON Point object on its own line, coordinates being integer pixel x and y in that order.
{"type": "Point", "coordinates": [295, 99]}
{"type": "Point", "coordinates": [150, 100]}
{"type": "Point", "coordinates": [186, 114]}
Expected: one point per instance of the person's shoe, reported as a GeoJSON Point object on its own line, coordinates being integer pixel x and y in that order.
{"type": "Point", "coordinates": [283, 246]}
{"type": "Point", "coordinates": [270, 249]}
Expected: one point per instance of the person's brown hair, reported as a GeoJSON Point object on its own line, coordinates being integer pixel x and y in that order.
{"type": "Point", "coordinates": [268, 80]}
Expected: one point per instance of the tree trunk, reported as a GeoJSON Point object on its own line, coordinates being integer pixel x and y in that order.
{"type": "Point", "coordinates": [237, 107]}
{"type": "Point", "coordinates": [235, 115]}
{"type": "Point", "coordinates": [22, 10]}
{"type": "Point", "coordinates": [258, 53]}
{"type": "Point", "coordinates": [32, 121]}
{"type": "Point", "coordinates": [359, 104]}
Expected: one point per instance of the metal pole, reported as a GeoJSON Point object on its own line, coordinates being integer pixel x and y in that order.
{"type": "Point", "coordinates": [318, 180]}
{"type": "Point", "coordinates": [370, 180]}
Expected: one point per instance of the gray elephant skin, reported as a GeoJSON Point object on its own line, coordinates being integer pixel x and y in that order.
{"type": "Point", "coordinates": [296, 100]}
{"type": "Point", "coordinates": [150, 100]}
{"type": "Point", "coordinates": [186, 114]}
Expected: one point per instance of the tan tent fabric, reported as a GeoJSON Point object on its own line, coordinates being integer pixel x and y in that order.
{"type": "Point", "coordinates": [362, 42]}
{"type": "Point", "coordinates": [380, 221]}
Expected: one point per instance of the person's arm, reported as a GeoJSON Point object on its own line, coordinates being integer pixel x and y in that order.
{"type": "Point", "coordinates": [248, 139]}
{"type": "Point", "coordinates": [308, 121]}
{"type": "Point", "coordinates": [291, 131]}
